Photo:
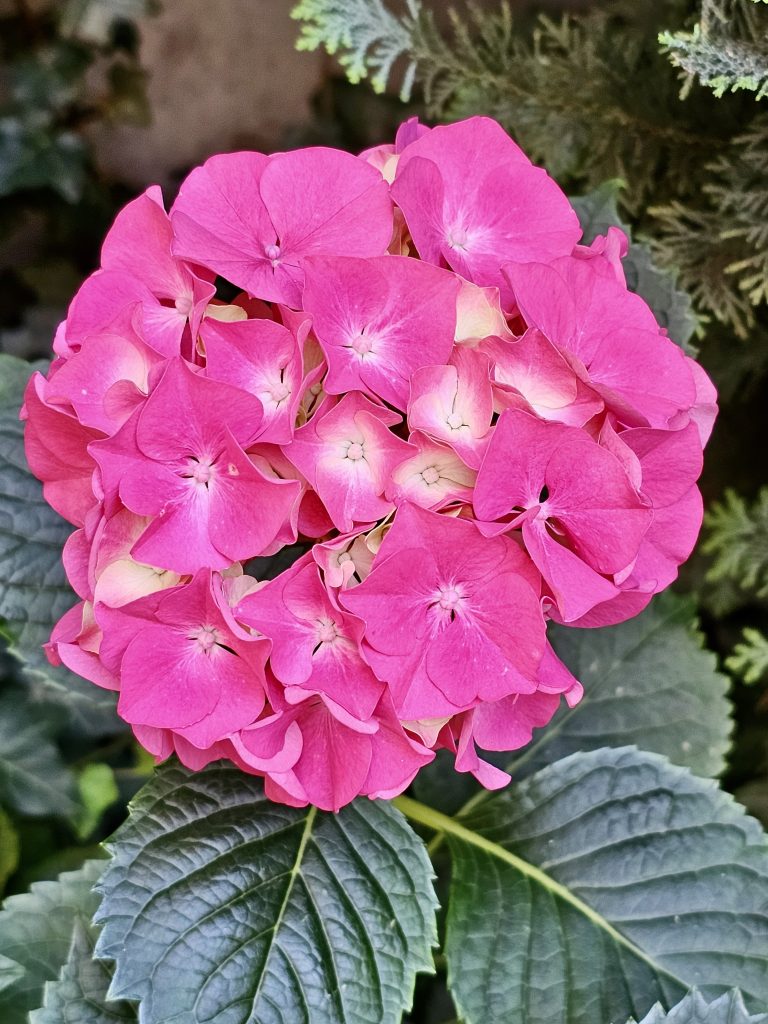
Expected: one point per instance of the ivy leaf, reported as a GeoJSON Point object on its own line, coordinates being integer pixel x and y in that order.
{"type": "Point", "coordinates": [648, 682]}
{"type": "Point", "coordinates": [79, 994]}
{"type": "Point", "coordinates": [36, 931]}
{"type": "Point", "coordinates": [220, 905]}
{"type": "Point", "coordinates": [34, 592]}
{"type": "Point", "coordinates": [604, 883]}
{"type": "Point", "coordinates": [694, 1009]}
{"type": "Point", "coordinates": [33, 778]}
{"type": "Point", "coordinates": [597, 211]}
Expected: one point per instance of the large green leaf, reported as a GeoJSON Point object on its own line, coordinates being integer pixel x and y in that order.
{"type": "Point", "coordinates": [694, 1009]}
{"type": "Point", "coordinates": [647, 682]}
{"type": "Point", "coordinates": [36, 932]}
{"type": "Point", "coordinates": [33, 778]}
{"type": "Point", "coordinates": [602, 884]}
{"type": "Point", "coordinates": [34, 592]}
{"type": "Point", "coordinates": [597, 211]}
{"type": "Point", "coordinates": [79, 994]}
{"type": "Point", "coordinates": [220, 905]}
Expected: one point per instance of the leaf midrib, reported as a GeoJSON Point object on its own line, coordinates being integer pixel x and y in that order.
{"type": "Point", "coordinates": [306, 835]}
{"type": "Point", "coordinates": [441, 823]}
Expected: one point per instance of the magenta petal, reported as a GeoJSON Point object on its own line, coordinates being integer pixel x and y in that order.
{"type": "Point", "coordinates": [508, 724]}
{"type": "Point", "coordinates": [220, 221]}
{"type": "Point", "coordinates": [143, 227]}
{"type": "Point", "coordinates": [323, 201]}
{"type": "Point", "coordinates": [379, 320]}
{"type": "Point", "coordinates": [186, 686]}
{"type": "Point", "coordinates": [577, 587]}
{"type": "Point", "coordinates": [334, 760]}
{"type": "Point", "coordinates": [247, 508]}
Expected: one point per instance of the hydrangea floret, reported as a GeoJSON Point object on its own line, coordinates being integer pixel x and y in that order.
{"type": "Point", "coordinates": [452, 421]}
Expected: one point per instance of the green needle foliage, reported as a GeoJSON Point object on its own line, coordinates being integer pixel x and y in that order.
{"type": "Point", "coordinates": [727, 49]}
{"type": "Point", "coordinates": [594, 97]}
{"type": "Point", "coordinates": [750, 657]}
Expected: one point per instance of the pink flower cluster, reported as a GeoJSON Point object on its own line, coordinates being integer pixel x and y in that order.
{"type": "Point", "coordinates": [458, 418]}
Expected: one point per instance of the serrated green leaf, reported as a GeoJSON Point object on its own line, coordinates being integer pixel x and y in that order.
{"type": "Point", "coordinates": [34, 592]}
{"type": "Point", "coordinates": [647, 682]}
{"type": "Point", "coordinates": [694, 1009]}
{"type": "Point", "coordinates": [597, 211]}
{"type": "Point", "coordinates": [10, 972]}
{"type": "Point", "coordinates": [33, 778]}
{"type": "Point", "coordinates": [604, 883]}
{"type": "Point", "coordinates": [36, 931]}
{"type": "Point", "coordinates": [220, 905]}
{"type": "Point", "coordinates": [79, 994]}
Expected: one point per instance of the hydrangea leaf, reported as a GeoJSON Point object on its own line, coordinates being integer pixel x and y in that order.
{"type": "Point", "coordinates": [597, 211]}
{"type": "Point", "coordinates": [695, 1009]}
{"type": "Point", "coordinates": [220, 905]}
{"type": "Point", "coordinates": [604, 883]}
{"type": "Point", "coordinates": [36, 931]}
{"type": "Point", "coordinates": [649, 682]}
{"type": "Point", "coordinates": [10, 972]}
{"type": "Point", "coordinates": [79, 994]}
{"type": "Point", "coordinates": [33, 589]}
{"type": "Point", "coordinates": [33, 778]}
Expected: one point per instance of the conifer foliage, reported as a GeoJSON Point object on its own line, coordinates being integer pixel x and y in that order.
{"type": "Point", "coordinates": [594, 96]}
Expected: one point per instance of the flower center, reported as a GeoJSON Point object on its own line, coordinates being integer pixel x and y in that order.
{"type": "Point", "coordinates": [272, 252]}
{"type": "Point", "coordinates": [430, 475]}
{"type": "Point", "coordinates": [206, 637]}
{"type": "Point", "coordinates": [184, 305]}
{"type": "Point", "coordinates": [326, 631]}
{"type": "Point", "coordinates": [199, 470]}
{"type": "Point", "coordinates": [361, 344]}
{"type": "Point", "coordinates": [454, 420]}
{"type": "Point", "coordinates": [449, 601]}
{"type": "Point", "coordinates": [450, 598]}
{"type": "Point", "coordinates": [355, 452]}
{"type": "Point", "coordinates": [457, 238]}
{"type": "Point", "coordinates": [279, 392]}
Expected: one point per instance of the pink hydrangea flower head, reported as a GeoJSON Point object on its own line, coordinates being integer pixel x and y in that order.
{"type": "Point", "coordinates": [321, 522]}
